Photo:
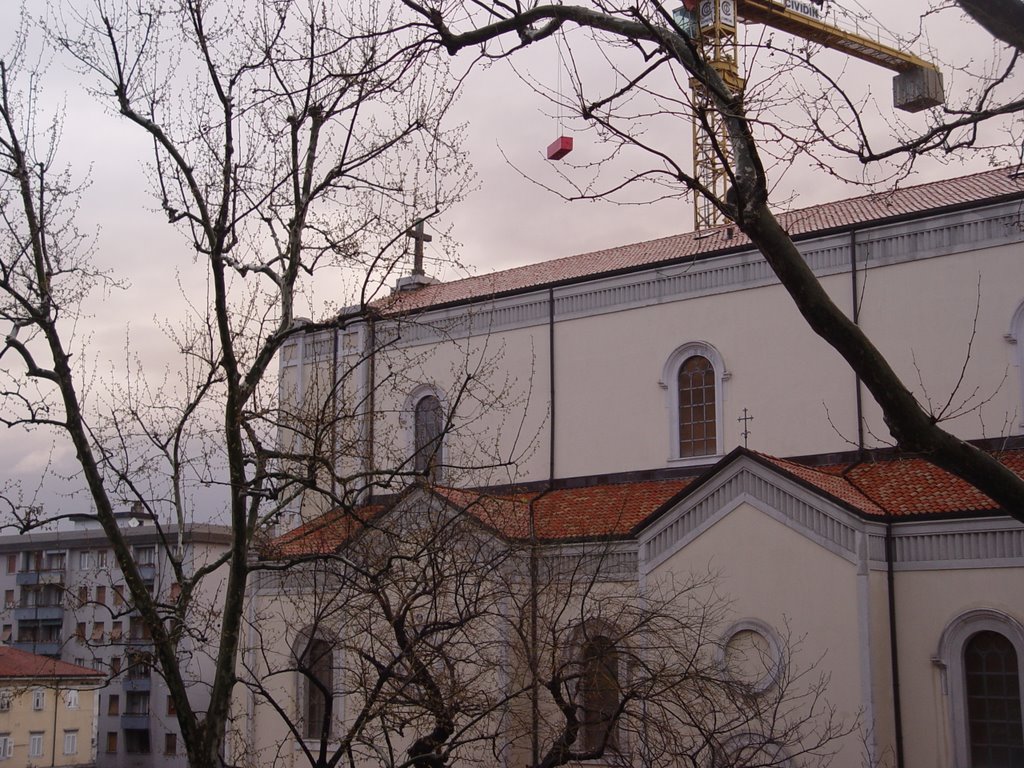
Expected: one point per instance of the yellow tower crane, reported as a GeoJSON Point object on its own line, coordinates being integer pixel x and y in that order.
{"type": "Point", "coordinates": [713, 24]}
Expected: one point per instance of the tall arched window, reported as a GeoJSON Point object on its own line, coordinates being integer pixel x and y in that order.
{"type": "Point", "coordinates": [428, 437]}
{"type": "Point", "coordinates": [693, 378]}
{"type": "Point", "coordinates": [698, 421]}
{"type": "Point", "coordinates": [979, 654]}
{"type": "Point", "coordinates": [992, 686]}
{"type": "Point", "coordinates": [599, 694]}
{"type": "Point", "coordinates": [316, 678]}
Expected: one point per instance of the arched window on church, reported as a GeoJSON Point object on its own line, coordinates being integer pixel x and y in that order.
{"type": "Point", "coordinates": [316, 687]}
{"type": "Point", "coordinates": [428, 437]}
{"type": "Point", "coordinates": [698, 420]}
{"type": "Point", "coordinates": [992, 687]}
{"type": "Point", "coordinates": [979, 655]}
{"type": "Point", "coordinates": [599, 694]}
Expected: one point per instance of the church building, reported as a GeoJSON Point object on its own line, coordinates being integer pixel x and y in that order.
{"type": "Point", "coordinates": [666, 401]}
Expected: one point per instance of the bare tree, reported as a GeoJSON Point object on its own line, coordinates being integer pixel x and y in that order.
{"type": "Point", "coordinates": [293, 142]}
{"type": "Point", "coordinates": [437, 631]}
{"type": "Point", "coordinates": [667, 60]}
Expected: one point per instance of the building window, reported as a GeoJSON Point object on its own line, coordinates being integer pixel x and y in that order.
{"type": "Point", "coordinates": [70, 742]}
{"type": "Point", "coordinates": [697, 408]}
{"type": "Point", "coordinates": [751, 653]}
{"type": "Point", "coordinates": [979, 653]}
{"type": "Point", "coordinates": [101, 559]}
{"type": "Point", "coordinates": [428, 437]}
{"type": "Point", "coordinates": [145, 555]}
{"type": "Point", "coordinates": [5, 701]}
{"type": "Point", "coordinates": [137, 703]}
{"type": "Point", "coordinates": [992, 686]}
{"type": "Point", "coordinates": [171, 710]}
{"type": "Point", "coordinates": [136, 741]}
{"type": "Point", "coordinates": [692, 378]}
{"type": "Point", "coordinates": [111, 742]}
{"type": "Point", "coordinates": [38, 700]}
{"type": "Point", "coordinates": [116, 630]}
{"type": "Point", "coordinates": [316, 686]}
{"type": "Point", "coordinates": [12, 563]}
{"type": "Point", "coordinates": [35, 744]}
{"type": "Point", "coordinates": [118, 595]}
{"type": "Point", "coordinates": [115, 665]}
{"type": "Point", "coordinates": [6, 633]}
{"type": "Point", "coordinates": [599, 694]}
{"type": "Point", "coordinates": [6, 746]}
{"type": "Point", "coordinates": [71, 698]}
{"type": "Point", "coordinates": [80, 631]}
{"type": "Point", "coordinates": [101, 595]}
{"type": "Point", "coordinates": [84, 560]}
{"type": "Point", "coordinates": [114, 704]}
{"type": "Point", "coordinates": [8, 598]}
{"type": "Point", "coordinates": [170, 743]}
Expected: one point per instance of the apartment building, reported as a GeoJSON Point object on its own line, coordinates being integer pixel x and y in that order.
{"type": "Point", "coordinates": [65, 598]}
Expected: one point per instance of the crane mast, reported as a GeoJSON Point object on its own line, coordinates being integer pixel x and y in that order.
{"type": "Point", "coordinates": [713, 24]}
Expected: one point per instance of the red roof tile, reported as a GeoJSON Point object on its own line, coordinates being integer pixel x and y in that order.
{"type": "Point", "coordinates": [897, 486]}
{"type": "Point", "coordinates": [833, 484]}
{"type": "Point", "coordinates": [859, 210]}
{"type": "Point", "coordinates": [912, 486]}
{"type": "Point", "coordinates": [20, 665]}
{"type": "Point", "coordinates": [323, 534]}
{"type": "Point", "coordinates": [570, 513]}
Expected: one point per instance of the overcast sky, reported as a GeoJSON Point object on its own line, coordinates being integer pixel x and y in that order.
{"type": "Point", "coordinates": [508, 221]}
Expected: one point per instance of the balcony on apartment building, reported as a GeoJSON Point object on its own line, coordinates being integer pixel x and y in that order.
{"type": "Point", "coordinates": [41, 568]}
{"type": "Point", "coordinates": [40, 604]}
{"type": "Point", "coordinates": [43, 639]}
{"type": "Point", "coordinates": [136, 714]}
{"type": "Point", "coordinates": [138, 678]}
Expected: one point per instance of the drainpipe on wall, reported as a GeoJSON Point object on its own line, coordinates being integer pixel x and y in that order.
{"type": "Point", "coordinates": [890, 552]}
{"type": "Point", "coordinates": [56, 705]}
{"type": "Point", "coordinates": [371, 401]}
{"type": "Point", "coordinates": [551, 385]}
{"type": "Point", "coordinates": [858, 393]}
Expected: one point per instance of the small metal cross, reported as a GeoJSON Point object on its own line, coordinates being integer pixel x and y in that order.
{"type": "Point", "coordinates": [746, 419]}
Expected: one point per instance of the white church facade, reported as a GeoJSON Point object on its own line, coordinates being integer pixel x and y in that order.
{"type": "Point", "coordinates": [666, 401]}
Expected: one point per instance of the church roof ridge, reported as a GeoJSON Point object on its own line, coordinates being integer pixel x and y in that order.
{"type": "Point", "coordinates": [918, 200]}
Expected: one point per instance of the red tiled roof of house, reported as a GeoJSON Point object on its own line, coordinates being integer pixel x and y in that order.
{"type": "Point", "coordinates": [906, 201]}
{"type": "Point", "coordinates": [22, 665]}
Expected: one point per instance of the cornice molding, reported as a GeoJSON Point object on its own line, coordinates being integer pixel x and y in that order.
{"type": "Point", "coordinates": [880, 245]}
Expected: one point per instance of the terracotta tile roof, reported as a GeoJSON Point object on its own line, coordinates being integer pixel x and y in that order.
{"type": "Point", "coordinates": [906, 201]}
{"type": "Point", "coordinates": [570, 513]}
{"type": "Point", "coordinates": [830, 482]}
{"type": "Point", "coordinates": [21, 664]}
{"type": "Point", "coordinates": [897, 486]}
{"type": "Point", "coordinates": [322, 534]}
{"type": "Point", "coordinates": [912, 486]}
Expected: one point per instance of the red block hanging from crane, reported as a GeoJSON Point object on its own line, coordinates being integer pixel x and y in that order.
{"type": "Point", "coordinates": [560, 147]}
